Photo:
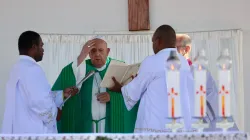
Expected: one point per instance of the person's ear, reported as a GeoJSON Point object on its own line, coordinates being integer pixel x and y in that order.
{"type": "Point", "coordinates": [33, 48]}
{"type": "Point", "coordinates": [188, 49]}
{"type": "Point", "coordinates": [158, 41]}
{"type": "Point", "coordinates": [108, 50]}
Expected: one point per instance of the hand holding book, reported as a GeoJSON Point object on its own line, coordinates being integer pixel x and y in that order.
{"type": "Point", "coordinates": [122, 73]}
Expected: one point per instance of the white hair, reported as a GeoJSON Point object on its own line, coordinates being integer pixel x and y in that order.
{"type": "Point", "coordinates": [185, 39]}
{"type": "Point", "coordinates": [99, 37]}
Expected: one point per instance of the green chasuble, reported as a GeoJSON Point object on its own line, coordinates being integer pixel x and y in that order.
{"type": "Point", "coordinates": [76, 112]}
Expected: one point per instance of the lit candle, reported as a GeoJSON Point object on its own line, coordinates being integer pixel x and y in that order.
{"type": "Point", "coordinates": [224, 93]}
{"type": "Point", "coordinates": [173, 84]}
{"type": "Point", "coordinates": [200, 79]}
{"type": "Point", "coordinates": [224, 63]}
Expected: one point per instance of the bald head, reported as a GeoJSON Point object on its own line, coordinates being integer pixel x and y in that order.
{"type": "Point", "coordinates": [164, 37]}
{"type": "Point", "coordinates": [99, 53]}
{"type": "Point", "coordinates": [100, 41]}
{"type": "Point", "coordinates": [183, 44]}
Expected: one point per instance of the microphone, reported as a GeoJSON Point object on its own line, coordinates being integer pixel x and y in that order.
{"type": "Point", "coordinates": [86, 77]}
{"type": "Point", "coordinates": [83, 80]}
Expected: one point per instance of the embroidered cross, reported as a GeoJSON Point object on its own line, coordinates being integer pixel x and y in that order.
{"type": "Point", "coordinates": [172, 92]}
{"type": "Point", "coordinates": [223, 90]}
{"type": "Point", "coordinates": [201, 90]}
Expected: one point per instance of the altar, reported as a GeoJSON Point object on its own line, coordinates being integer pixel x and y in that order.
{"type": "Point", "coordinates": [153, 136]}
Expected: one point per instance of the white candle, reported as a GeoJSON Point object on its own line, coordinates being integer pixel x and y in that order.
{"type": "Point", "coordinates": [173, 87]}
{"type": "Point", "coordinates": [200, 79]}
{"type": "Point", "coordinates": [224, 93]}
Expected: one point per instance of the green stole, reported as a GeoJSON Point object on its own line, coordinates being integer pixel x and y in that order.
{"type": "Point", "coordinates": [77, 114]}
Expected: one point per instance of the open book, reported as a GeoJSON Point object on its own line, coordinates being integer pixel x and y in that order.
{"type": "Point", "coordinates": [122, 72]}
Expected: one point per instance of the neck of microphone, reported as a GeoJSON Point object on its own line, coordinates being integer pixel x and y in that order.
{"type": "Point", "coordinates": [89, 74]}
{"type": "Point", "coordinates": [86, 77]}
{"type": "Point", "coordinates": [83, 80]}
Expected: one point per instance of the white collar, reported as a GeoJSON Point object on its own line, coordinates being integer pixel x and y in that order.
{"type": "Point", "coordinates": [26, 57]}
{"type": "Point", "coordinates": [167, 50]}
{"type": "Point", "coordinates": [101, 68]}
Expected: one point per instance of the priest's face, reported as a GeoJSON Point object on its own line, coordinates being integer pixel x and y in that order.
{"type": "Point", "coordinates": [38, 51]}
{"type": "Point", "coordinates": [99, 53]}
{"type": "Point", "coordinates": [155, 41]}
{"type": "Point", "coordinates": [180, 48]}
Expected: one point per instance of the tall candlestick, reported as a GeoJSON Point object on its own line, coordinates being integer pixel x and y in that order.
{"type": "Point", "coordinates": [173, 80]}
{"type": "Point", "coordinates": [224, 63]}
{"type": "Point", "coordinates": [224, 93]}
{"type": "Point", "coordinates": [173, 89]}
{"type": "Point", "coordinates": [200, 79]}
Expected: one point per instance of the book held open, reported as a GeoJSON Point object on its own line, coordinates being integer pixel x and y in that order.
{"type": "Point", "coordinates": [122, 72]}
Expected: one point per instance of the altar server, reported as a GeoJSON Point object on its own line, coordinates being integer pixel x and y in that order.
{"type": "Point", "coordinates": [149, 86]}
{"type": "Point", "coordinates": [31, 107]}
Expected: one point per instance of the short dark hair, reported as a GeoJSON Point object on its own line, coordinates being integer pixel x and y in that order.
{"type": "Point", "coordinates": [167, 34]}
{"type": "Point", "coordinates": [26, 40]}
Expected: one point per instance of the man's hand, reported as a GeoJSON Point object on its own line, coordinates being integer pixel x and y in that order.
{"type": "Point", "coordinates": [133, 76]}
{"type": "Point", "coordinates": [59, 114]}
{"type": "Point", "coordinates": [117, 87]}
{"type": "Point", "coordinates": [85, 51]}
{"type": "Point", "coordinates": [103, 97]}
{"type": "Point", "coordinates": [72, 90]}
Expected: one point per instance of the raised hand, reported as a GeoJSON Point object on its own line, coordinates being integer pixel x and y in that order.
{"type": "Point", "coordinates": [87, 47]}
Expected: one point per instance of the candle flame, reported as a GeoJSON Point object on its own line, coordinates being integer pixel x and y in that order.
{"type": "Point", "coordinates": [172, 67]}
{"type": "Point", "coordinates": [223, 66]}
{"type": "Point", "coordinates": [199, 67]}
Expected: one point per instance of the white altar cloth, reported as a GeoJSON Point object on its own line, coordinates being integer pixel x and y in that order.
{"type": "Point", "coordinates": [153, 136]}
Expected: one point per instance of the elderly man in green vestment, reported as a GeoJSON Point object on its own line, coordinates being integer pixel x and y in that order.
{"type": "Point", "coordinates": [94, 109]}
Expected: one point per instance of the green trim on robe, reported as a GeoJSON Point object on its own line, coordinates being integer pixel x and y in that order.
{"type": "Point", "coordinates": [76, 112]}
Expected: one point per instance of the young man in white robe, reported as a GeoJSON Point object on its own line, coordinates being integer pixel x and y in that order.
{"type": "Point", "coordinates": [183, 45]}
{"type": "Point", "coordinates": [31, 106]}
{"type": "Point", "coordinates": [149, 86]}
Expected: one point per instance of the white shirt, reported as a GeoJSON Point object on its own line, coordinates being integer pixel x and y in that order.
{"type": "Point", "coordinates": [98, 109]}
{"type": "Point", "coordinates": [31, 107]}
{"type": "Point", "coordinates": [150, 88]}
